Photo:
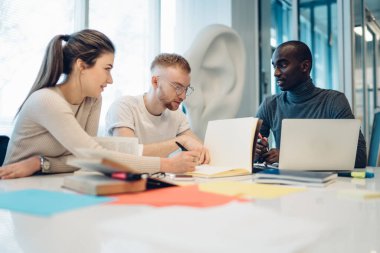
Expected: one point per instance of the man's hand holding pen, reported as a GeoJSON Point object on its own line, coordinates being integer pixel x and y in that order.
{"type": "Point", "coordinates": [194, 145]}
{"type": "Point", "coordinates": [272, 156]}
{"type": "Point", "coordinates": [261, 148]}
{"type": "Point", "coordinates": [263, 153]}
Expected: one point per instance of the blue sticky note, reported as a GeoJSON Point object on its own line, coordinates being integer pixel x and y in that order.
{"type": "Point", "coordinates": [46, 203]}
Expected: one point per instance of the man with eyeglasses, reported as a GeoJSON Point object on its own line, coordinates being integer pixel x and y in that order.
{"type": "Point", "coordinates": [155, 117]}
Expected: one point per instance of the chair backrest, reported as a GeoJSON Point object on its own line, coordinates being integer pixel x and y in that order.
{"type": "Point", "coordinates": [3, 147]}
{"type": "Point", "coordinates": [374, 148]}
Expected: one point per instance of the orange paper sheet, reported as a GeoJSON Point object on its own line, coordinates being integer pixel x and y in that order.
{"type": "Point", "coordinates": [180, 196]}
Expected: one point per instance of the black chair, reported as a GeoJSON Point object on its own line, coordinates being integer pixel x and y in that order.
{"type": "Point", "coordinates": [3, 147]}
{"type": "Point", "coordinates": [374, 147]}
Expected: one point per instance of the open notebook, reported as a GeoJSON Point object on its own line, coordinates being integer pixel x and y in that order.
{"type": "Point", "coordinates": [231, 143]}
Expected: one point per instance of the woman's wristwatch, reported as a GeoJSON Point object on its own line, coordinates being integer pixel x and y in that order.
{"type": "Point", "coordinates": [45, 164]}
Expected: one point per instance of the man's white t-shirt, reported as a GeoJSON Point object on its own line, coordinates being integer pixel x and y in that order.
{"type": "Point", "coordinates": [130, 111]}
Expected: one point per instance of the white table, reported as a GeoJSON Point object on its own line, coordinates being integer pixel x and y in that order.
{"type": "Point", "coordinates": [354, 223]}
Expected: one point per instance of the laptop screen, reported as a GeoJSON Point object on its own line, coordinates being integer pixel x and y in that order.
{"type": "Point", "coordinates": [319, 144]}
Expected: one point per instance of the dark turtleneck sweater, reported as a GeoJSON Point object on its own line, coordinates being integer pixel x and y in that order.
{"type": "Point", "coordinates": [307, 102]}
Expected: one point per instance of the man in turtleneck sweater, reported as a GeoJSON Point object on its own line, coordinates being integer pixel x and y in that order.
{"type": "Point", "coordinates": [292, 62]}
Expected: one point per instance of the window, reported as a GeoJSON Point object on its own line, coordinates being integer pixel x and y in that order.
{"type": "Point", "coordinates": [24, 35]}
{"type": "Point", "coordinates": [139, 30]}
{"type": "Point", "coordinates": [133, 28]}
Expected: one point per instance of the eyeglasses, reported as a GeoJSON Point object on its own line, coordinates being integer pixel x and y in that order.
{"type": "Point", "coordinates": [179, 89]}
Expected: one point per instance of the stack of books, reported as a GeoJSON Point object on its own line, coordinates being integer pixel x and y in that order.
{"type": "Point", "coordinates": [301, 178]}
{"type": "Point", "coordinates": [111, 178]}
{"type": "Point", "coordinates": [103, 185]}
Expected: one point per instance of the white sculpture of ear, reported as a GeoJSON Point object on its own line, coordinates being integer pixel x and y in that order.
{"type": "Point", "coordinates": [217, 60]}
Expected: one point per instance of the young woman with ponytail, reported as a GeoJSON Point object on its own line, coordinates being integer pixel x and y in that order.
{"type": "Point", "coordinates": [57, 118]}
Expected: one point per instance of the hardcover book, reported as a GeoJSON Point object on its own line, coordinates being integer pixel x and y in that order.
{"type": "Point", "coordinates": [102, 185]}
{"type": "Point", "coordinates": [302, 178]}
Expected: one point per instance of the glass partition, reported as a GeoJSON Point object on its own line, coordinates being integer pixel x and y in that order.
{"type": "Point", "coordinates": [318, 29]}
{"type": "Point", "coordinates": [370, 75]}
{"type": "Point", "coordinates": [372, 40]}
{"type": "Point", "coordinates": [275, 28]}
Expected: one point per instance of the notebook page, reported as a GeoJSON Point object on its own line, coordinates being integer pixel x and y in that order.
{"type": "Point", "coordinates": [230, 142]}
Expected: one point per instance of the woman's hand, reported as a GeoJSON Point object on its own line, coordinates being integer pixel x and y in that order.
{"type": "Point", "coordinates": [23, 168]}
{"type": "Point", "coordinates": [181, 163]}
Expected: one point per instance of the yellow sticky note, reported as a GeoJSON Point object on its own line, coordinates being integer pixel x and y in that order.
{"type": "Point", "coordinates": [241, 189]}
{"type": "Point", "coordinates": [360, 194]}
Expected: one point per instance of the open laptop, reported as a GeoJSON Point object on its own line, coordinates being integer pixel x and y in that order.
{"type": "Point", "coordinates": [319, 144]}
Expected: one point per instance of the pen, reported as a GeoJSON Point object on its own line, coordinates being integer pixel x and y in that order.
{"type": "Point", "coordinates": [181, 146]}
{"type": "Point", "coordinates": [261, 159]}
{"type": "Point", "coordinates": [128, 176]}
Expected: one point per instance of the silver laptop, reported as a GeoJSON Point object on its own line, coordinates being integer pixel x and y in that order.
{"type": "Point", "coordinates": [319, 144]}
